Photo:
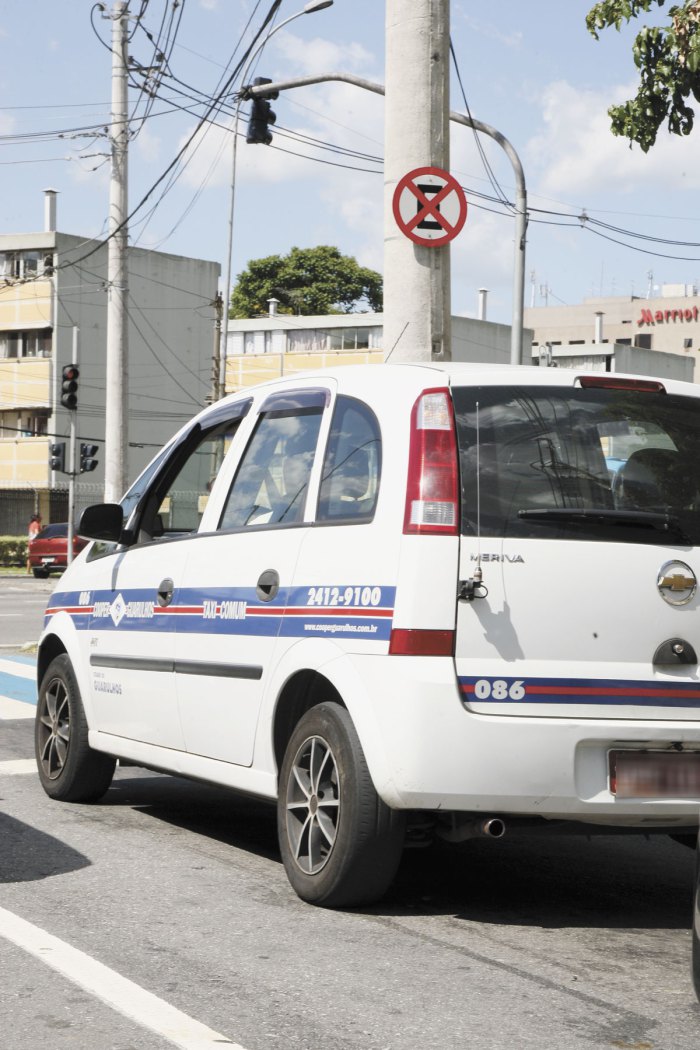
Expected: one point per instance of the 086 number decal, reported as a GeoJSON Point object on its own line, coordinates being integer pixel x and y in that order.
{"type": "Point", "coordinates": [499, 689]}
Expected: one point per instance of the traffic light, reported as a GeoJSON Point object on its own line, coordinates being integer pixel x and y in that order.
{"type": "Point", "coordinates": [87, 458]}
{"type": "Point", "coordinates": [261, 115]}
{"type": "Point", "coordinates": [57, 456]}
{"type": "Point", "coordinates": [69, 387]}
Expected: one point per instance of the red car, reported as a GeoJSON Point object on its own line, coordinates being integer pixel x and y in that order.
{"type": "Point", "coordinates": [49, 549]}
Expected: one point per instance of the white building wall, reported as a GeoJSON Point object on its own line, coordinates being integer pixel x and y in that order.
{"type": "Point", "coordinates": [472, 340]}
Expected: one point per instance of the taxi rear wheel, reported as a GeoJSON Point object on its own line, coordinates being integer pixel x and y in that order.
{"type": "Point", "coordinates": [340, 844]}
{"type": "Point", "coordinates": [69, 769]}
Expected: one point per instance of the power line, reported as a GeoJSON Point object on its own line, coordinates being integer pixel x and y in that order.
{"type": "Point", "coordinates": [211, 108]}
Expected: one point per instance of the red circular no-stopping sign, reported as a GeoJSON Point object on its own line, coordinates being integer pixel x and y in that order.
{"type": "Point", "coordinates": [429, 206]}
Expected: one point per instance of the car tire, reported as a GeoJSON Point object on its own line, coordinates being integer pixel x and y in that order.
{"type": "Point", "coordinates": [41, 574]}
{"type": "Point", "coordinates": [341, 844]}
{"type": "Point", "coordinates": [69, 769]}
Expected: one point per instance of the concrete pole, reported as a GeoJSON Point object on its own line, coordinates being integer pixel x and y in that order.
{"type": "Point", "coordinates": [72, 459]}
{"type": "Point", "coordinates": [416, 278]}
{"type": "Point", "coordinates": [117, 372]}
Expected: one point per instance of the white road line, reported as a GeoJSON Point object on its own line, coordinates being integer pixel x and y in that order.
{"type": "Point", "coordinates": [13, 767]}
{"type": "Point", "coordinates": [113, 989]}
{"type": "Point", "coordinates": [11, 709]}
{"type": "Point", "coordinates": [17, 669]}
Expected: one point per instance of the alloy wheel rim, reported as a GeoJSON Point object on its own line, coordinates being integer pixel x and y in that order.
{"type": "Point", "coordinates": [313, 805]}
{"type": "Point", "coordinates": [54, 729]}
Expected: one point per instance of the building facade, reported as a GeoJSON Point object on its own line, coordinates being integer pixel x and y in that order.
{"type": "Point", "coordinates": [667, 322]}
{"type": "Point", "coordinates": [53, 312]}
{"type": "Point", "coordinates": [267, 347]}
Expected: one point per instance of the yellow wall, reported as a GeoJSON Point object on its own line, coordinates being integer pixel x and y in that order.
{"type": "Point", "coordinates": [243, 370]}
{"type": "Point", "coordinates": [25, 384]}
{"type": "Point", "coordinates": [25, 305]}
{"type": "Point", "coordinates": [24, 461]}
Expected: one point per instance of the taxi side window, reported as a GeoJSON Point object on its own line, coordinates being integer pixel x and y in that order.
{"type": "Point", "coordinates": [352, 466]}
{"type": "Point", "coordinates": [271, 482]}
{"type": "Point", "coordinates": [176, 503]}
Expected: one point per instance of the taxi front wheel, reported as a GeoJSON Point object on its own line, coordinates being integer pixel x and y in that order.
{"type": "Point", "coordinates": [340, 844]}
{"type": "Point", "coordinates": [69, 769]}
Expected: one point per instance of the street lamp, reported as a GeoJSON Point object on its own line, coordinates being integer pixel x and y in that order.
{"type": "Point", "coordinates": [310, 8]}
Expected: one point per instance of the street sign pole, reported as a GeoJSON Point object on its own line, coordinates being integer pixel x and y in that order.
{"type": "Point", "coordinates": [416, 277]}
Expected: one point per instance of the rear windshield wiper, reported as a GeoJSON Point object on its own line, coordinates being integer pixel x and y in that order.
{"type": "Point", "coordinates": [639, 518]}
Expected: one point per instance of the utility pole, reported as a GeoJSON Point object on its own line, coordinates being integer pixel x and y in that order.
{"type": "Point", "coordinates": [72, 461]}
{"type": "Point", "coordinates": [416, 278]}
{"type": "Point", "coordinates": [117, 371]}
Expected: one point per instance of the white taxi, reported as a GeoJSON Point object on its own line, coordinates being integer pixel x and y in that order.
{"type": "Point", "coordinates": [449, 598]}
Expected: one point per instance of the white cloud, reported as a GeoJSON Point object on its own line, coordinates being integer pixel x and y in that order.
{"type": "Point", "coordinates": [577, 153]}
{"type": "Point", "coordinates": [320, 55]}
{"type": "Point", "coordinates": [488, 30]}
{"type": "Point", "coordinates": [148, 144]}
{"type": "Point", "coordinates": [482, 257]}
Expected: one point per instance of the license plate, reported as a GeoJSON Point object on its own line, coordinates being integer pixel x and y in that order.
{"type": "Point", "coordinates": [47, 561]}
{"type": "Point", "coordinates": [655, 774]}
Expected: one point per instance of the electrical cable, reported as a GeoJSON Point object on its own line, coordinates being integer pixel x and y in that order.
{"type": "Point", "coordinates": [215, 102]}
{"type": "Point", "coordinates": [487, 167]}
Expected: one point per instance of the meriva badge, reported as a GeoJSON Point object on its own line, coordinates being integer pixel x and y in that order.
{"type": "Point", "coordinates": [677, 583]}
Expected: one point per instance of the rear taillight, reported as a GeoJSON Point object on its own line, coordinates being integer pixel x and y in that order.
{"type": "Point", "coordinates": [432, 488]}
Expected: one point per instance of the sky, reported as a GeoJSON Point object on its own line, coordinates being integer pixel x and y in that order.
{"type": "Point", "coordinates": [530, 70]}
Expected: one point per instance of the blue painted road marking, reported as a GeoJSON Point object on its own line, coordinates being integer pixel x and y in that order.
{"type": "Point", "coordinates": [17, 686]}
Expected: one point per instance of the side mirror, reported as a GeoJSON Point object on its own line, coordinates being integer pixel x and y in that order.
{"type": "Point", "coordinates": [103, 521]}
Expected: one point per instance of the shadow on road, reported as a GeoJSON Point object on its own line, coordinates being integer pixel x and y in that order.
{"type": "Point", "coordinates": [204, 809]}
{"type": "Point", "coordinates": [537, 880]}
{"type": "Point", "coordinates": [552, 881]}
{"type": "Point", "coordinates": [28, 854]}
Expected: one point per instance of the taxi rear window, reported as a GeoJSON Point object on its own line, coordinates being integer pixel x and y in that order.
{"type": "Point", "coordinates": [571, 463]}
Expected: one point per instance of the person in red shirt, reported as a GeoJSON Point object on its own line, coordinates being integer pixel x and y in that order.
{"type": "Point", "coordinates": [32, 532]}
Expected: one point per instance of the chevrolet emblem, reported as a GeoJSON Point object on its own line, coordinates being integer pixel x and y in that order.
{"type": "Point", "coordinates": [676, 583]}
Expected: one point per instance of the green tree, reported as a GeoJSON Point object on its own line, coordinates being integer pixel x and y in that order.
{"type": "Point", "coordinates": [306, 281]}
{"type": "Point", "coordinates": [668, 60]}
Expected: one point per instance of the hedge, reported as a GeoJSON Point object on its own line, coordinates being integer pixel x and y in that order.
{"type": "Point", "coordinates": [13, 550]}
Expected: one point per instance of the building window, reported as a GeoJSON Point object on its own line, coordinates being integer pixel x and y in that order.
{"type": "Point", "coordinates": [306, 340]}
{"type": "Point", "coordinates": [15, 424]}
{"type": "Point", "coordinates": [17, 266]}
{"type": "Point", "coordinates": [687, 344]}
{"type": "Point", "coordinates": [353, 338]}
{"type": "Point", "coordinates": [643, 340]}
{"type": "Point", "coordinates": [33, 343]}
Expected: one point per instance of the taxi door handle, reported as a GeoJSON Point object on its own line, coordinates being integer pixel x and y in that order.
{"type": "Point", "coordinates": [165, 592]}
{"type": "Point", "coordinates": [268, 585]}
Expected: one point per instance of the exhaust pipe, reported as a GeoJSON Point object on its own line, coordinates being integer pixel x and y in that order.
{"type": "Point", "coordinates": [494, 828]}
{"type": "Point", "coordinates": [490, 827]}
